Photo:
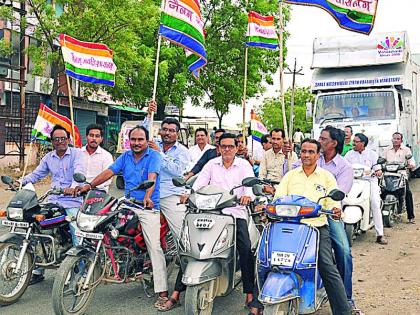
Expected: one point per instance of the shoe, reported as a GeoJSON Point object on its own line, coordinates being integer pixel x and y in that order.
{"type": "Point", "coordinates": [36, 278]}
{"type": "Point", "coordinates": [411, 221]}
{"type": "Point", "coordinates": [381, 240]}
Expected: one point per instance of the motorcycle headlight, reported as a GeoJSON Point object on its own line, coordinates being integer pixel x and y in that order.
{"type": "Point", "coordinates": [207, 202]}
{"type": "Point", "coordinates": [358, 172]}
{"type": "Point", "coordinates": [184, 239]}
{"type": "Point", "coordinates": [15, 213]}
{"type": "Point", "coordinates": [391, 167]}
{"type": "Point", "coordinates": [222, 241]}
{"type": "Point", "coordinates": [86, 222]}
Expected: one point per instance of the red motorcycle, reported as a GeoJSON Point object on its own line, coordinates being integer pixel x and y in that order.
{"type": "Point", "coordinates": [112, 250]}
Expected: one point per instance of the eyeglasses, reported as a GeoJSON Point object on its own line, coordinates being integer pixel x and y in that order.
{"type": "Point", "coordinates": [227, 146]}
{"type": "Point", "coordinates": [169, 130]}
{"type": "Point", "coordinates": [59, 139]}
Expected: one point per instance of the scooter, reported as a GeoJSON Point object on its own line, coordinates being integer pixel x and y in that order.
{"type": "Point", "coordinates": [207, 245]}
{"type": "Point", "coordinates": [358, 217]}
{"type": "Point", "coordinates": [393, 188]}
{"type": "Point", "coordinates": [287, 257]}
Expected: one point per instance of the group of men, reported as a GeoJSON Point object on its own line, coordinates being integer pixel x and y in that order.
{"type": "Point", "coordinates": [225, 164]}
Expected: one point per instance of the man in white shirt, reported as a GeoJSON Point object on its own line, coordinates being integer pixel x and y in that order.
{"type": "Point", "coordinates": [369, 158]}
{"type": "Point", "coordinates": [201, 146]}
{"type": "Point", "coordinates": [97, 158]}
{"type": "Point", "coordinates": [398, 152]}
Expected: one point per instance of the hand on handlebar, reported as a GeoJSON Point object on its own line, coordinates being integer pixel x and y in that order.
{"type": "Point", "coordinates": [245, 200]}
{"type": "Point", "coordinates": [68, 191]}
{"type": "Point", "coordinates": [81, 190]}
{"type": "Point", "coordinates": [336, 213]}
{"type": "Point", "coordinates": [184, 198]}
{"type": "Point", "coordinates": [148, 203]}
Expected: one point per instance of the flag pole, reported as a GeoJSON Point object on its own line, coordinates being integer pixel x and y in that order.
{"type": "Point", "coordinates": [281, 69]}
{"type": "Point", "coordinates": [71, 110]}
{"type": "Point", "coordinates": [244, 97]}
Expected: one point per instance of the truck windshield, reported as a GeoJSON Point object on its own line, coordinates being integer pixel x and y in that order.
{"type": "Point", "coordinates": [373, 105]}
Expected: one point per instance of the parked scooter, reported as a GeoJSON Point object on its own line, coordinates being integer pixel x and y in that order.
{"type": "Point", "coordinates": [358, 217]}
{"type": "Point", "coordinates": [207, 246]}
{"type": "Point", "coordinates": [393, 188]}
{"type": "Point", "coordinates": [287, 256]}
{"type": "Point", "coordinates": [39, 237]}
{"type": "Point", "coordinates": [111, 250]}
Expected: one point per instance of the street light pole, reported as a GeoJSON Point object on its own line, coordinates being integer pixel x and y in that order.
{"type": "Point", "coordinates": [22, 71]}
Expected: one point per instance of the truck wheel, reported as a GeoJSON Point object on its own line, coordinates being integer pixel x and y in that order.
{"type": "Point", "coordinates": [198, 299]}
{"type": "Point", "coordinates": [349, 232]}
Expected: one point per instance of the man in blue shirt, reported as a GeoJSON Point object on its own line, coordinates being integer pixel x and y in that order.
{"type": "Point", "coordinates": [137, 165]}
{"type": "Point", "coordinates": [175, 158]}
{"type": "Point", "coordinates": [61, 163]}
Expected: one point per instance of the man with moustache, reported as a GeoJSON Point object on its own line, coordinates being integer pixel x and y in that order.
{"type": "Point", "coordinates": [97, 158]}
{"type": "Point", "coordinates": [137, 165]}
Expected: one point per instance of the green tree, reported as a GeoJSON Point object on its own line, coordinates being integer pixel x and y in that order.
{"type": "Point", "coordinates": [271, 115]}
{"type": "Point", "coordinates": [221, 82]}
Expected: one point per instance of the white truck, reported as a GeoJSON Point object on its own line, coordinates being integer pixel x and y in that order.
{"type": "Point", "coordinates": [370, 83]}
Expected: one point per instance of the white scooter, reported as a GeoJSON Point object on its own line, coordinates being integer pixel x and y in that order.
{"type": "Point", "coordinates": [358, 216]}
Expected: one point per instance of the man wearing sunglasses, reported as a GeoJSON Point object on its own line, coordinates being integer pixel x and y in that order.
{"type": "Point", "coordinates": [61, 164]}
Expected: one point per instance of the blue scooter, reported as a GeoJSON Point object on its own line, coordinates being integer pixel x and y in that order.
{"type": "Point", "coordinates": [287, 257]}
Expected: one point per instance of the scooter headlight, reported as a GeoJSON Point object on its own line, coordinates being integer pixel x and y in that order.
{"type": "Point", "coordinates": [222, 241]}
{"type": "Point", "coordinates": [184, 239]}
{"type": "Point", "coordinates": [87, 222]}
{"type": "Point", "coordinates": [288, 210]}
{"type": "Point", "coordinates": [358, 172]}
{"type": "Point", "coordinates": [15, 213]}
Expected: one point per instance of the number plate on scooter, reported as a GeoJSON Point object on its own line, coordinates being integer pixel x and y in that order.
{"type": "Point", "coordinates": [13, 223]}
{"type": "Point", "coordinates": [203, 223]}
{"type": "Point", "coordinates": [95, 236]}
{"type": "Point", "coordinates": [283, 259]}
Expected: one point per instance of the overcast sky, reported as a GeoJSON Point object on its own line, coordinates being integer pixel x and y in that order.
{"type": "Point", "coordinates": [308, 23]}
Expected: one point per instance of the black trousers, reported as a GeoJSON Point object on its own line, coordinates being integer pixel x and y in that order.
{"type": "Point", "coordinates": [246, 259]}
{"type": "Point", "coordinates": [409, 202]}
{"type": "Point", "coordinates": [330, 276]}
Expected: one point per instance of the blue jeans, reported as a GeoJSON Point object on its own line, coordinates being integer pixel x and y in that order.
{"type": "Point", "coordinates": [75, 239]}
{"type": "Point", "coordinates": [343, 256]}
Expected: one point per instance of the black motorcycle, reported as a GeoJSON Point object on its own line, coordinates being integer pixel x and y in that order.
{"type": "Point", "coordinates": [39, 237]}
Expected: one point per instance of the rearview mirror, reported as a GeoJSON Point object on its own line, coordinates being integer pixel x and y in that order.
{"type": "Point", "coordinates": [408, 157]}
{"type": "Point", "coordinates": [257, 190]}
{"type": "Point", "coordinates": [145, 185]}
{"type": "Point", "coordinates": [7, 180]}
{"type": "Point", "coordinates": [79, 177]}
{"type": "Point", "coordinates": [336, 195]}
{"type": "Point", "coordinates": [250, 181]}
{"type": "Point", "coordinates": [381, 160]}
{"type": "Point", "coordinates": [178, 182]}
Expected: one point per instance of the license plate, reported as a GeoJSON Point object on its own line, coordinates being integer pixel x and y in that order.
{"type": "Point", "coordinates": [283, 259]}
{"type": "Point", "coordinates": [203, 223]}
{"type": "Point", "coordinates": [16, 224]}
{"type": "Point", "coordinates": [95, 236]}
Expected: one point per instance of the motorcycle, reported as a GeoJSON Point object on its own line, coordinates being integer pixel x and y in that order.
{"type": "Point", "coordinates": [207, 245]}
{"type": "Point", "coordinates": [393, 186]}
{"type": "Point", "coordinates": [287, 256]}
{"type": "Point", "coordinates": [111, 250]}
{"type": "Point", "coordinates": [39, 237]}
{"type": "Point", "coordinates": [358, 216]}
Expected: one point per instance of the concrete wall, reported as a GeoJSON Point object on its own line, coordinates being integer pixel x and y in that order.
{"type": "Point", "coordinates": [13, 161]}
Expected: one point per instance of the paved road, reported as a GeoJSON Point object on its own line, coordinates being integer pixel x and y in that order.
{"type": "Point", "coordinates": [114, 299]}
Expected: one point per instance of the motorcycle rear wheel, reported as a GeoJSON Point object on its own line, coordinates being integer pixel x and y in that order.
{"type": "Point", "coordinates": [9, 254]}
{"type": "Point", "coordinates": [290, 307]}
{"type": "Point", "coordinates": [195, 299]}
{"type": "Point", "coordinates": [69, 281]}
{"type": "Point", "coordinates": [389, 219]}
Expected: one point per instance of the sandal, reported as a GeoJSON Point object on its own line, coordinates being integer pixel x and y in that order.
{"type": "Point", "coordinates": [161, 300]}
{"type": "Point", "coordinates": [412, 221]}
{"type": "Point", "coordinates": [165, 307]}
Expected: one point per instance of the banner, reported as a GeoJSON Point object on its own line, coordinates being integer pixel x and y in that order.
{"type": "Point", "coordinates": [353, 15]}
{"type": "Point", "coordinates": [88, 62]}
{"type": "Point", "coordinates": [181, 24]}
{"type": "Point", "coordinates": [45, 122]}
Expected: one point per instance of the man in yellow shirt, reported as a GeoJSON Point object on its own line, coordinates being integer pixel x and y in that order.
{"type": "Point", "coordinates": [313, 182]}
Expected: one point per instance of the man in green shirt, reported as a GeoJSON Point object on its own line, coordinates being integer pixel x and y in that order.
{"type": "Point", "coordinates": [348, 142]}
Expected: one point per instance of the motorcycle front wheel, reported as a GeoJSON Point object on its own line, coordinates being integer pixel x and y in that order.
{"type": "Point", "coordinates": [199, 299]}
{"type": "Point", "coordinates": [68, 295]}
{"type": "Point", "coordinates": [389, 219]}
{"type": "Point", "coordinates": [290, 307]}
{"type": "Point", "coordinates": [13, 285]}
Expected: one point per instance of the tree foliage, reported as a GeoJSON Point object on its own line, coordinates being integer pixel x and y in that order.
{"type": "Point", "coordinates": [271, 115]}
